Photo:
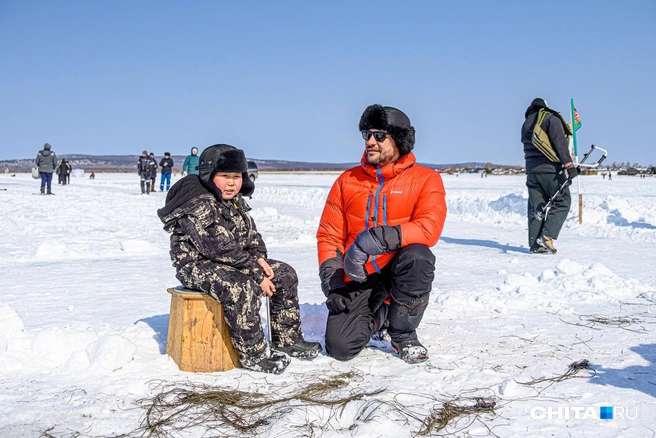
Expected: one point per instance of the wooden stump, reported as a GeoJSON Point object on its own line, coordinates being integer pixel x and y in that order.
{"type": "Point", "coordinates": [198, 338]}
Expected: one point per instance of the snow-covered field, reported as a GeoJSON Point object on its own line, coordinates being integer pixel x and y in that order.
{"type": "Point", "coordinates": [84, 314]}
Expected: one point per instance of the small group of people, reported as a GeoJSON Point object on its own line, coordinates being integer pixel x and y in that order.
{"type": "Point", "coordinates": [374, 238]}
{"type": "Point", "coordinates": [147, 169]}
{"type": "Point", "coordinates": [64, 172]}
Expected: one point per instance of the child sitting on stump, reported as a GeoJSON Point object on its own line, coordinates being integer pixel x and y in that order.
{"type": "Point", "coordinates": [216, 249]}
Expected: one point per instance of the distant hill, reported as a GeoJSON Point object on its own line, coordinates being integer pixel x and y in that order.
{"type": "Point", "coordinates": [128, 163]}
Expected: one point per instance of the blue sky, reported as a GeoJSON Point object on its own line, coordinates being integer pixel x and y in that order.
{"type": "Point", "coordinates": [289, 79]}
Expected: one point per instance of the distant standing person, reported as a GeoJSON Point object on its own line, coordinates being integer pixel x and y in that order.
{"type": "Point", "coordinates": [190, 165]}
{"type": "Point", "coordinates": [167, 167]}
{"type": "Point", "coordinates": [153, 176]}
{"type": "Point", "coordinates": [145, 169]}
{"type": "Point", "coordinates": [46, 161]}
{"type": "Point", "coordinates": [64, 171]}
{"type": "Point", "coordinates": [610, 176]}
{"type": "Point", "coordinates": [548, 164]}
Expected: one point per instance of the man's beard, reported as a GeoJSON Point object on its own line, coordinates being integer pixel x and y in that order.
{"type": "Point", "coordinates": [379, 160]}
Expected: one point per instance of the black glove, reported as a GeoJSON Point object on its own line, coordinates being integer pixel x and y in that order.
{"type": "Point", "coordinates": [338, 301]}
{"type": "Point", "coordinates": [573, 172]}
{"type": "Point", "coordinates": [356, 257]}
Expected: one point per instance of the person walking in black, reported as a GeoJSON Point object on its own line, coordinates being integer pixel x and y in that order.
{"type": "Point", "coordinates": [64, 170]}
{"type": "Point", "coordinates": [145, 169]}
{"type": "Point", "coordinates": [548, 165]}
{"type": "Point", "coordinates": [46, 161]}
{"type": "Point", "coordinates": [153, 175]}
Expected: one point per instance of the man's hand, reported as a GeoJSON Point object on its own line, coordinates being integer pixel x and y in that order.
{"type": "Point", "coordinates": [573, 172]}
{"type": "Point", "coordinates": [338, 301]}
{"type": "Point", "coordinates": [267, 287]}
{"type": "Point", "coordinates": [357, 255]}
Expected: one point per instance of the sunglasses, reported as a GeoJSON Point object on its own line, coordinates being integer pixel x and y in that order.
{"type": "Point", "coordinates": [378, 135]}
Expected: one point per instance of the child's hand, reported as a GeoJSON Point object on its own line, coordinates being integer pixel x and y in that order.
{"type": "Point", "coordinates": [267, 287]}
{"type": "Point", "coordinates": [266, 268]}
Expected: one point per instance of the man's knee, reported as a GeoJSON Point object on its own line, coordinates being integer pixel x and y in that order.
{"type": "Point", "coordinates": [413, 270]}
{"type": "Point", "coordinates": [413, 257]}
{"type": "Point", "coordinates": [342, 348]}
{"type": "Point", "coordinates": [346, 338]}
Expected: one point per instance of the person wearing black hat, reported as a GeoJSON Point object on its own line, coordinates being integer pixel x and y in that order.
{"type": "Point", "coordinates": [374, 238]}
{"type": "Point", "coordinates": [167, 165]}
{"type": "Point", "coordinates": [216, 248]}
{"type": "Point", "coordinates": [548, 165]}
{"type": "Point", "coordinates": [145, 168]}
{"type": "Point", "coordinates": [46, 161]}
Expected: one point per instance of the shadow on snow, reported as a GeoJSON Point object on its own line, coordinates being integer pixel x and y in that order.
{"type": "Point", "coordinates": [640, 378]}
{"type": "Point", "coordinates": [484, 243]}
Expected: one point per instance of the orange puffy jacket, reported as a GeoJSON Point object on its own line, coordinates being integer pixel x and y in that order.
{"type": "Point", "coordinates": [401, 193]}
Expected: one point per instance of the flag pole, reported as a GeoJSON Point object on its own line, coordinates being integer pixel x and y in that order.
{"type": "Point", "coordinates": [576, 159]}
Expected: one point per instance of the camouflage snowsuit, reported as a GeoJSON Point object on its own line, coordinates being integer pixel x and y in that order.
{"type": "Point", "coordinates": [214, 248]}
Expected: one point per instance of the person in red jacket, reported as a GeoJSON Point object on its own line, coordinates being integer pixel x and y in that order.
{"type": "Point", "coordinates": [374, 238]}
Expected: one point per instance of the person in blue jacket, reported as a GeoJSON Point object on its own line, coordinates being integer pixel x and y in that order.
{"type": "Point", "coordinates": [166, 164]}
{"type": "Point", "coordinates": [190, 165]}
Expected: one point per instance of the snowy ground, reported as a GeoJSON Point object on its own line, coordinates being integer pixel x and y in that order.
{"type": "Point", "coordinates": [84, 314]}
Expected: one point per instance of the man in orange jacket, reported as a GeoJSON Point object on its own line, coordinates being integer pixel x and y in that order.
{"type": "Point", "coordinates": [374, 239]}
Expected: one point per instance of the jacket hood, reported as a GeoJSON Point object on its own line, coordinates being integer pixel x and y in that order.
{"type": "Point", "coordinates": [182, 191]}
{"type": "Point", "coordinates": [194, 150]}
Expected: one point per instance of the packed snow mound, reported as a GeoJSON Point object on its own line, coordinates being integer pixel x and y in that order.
{"type": "Point", "coordinates": [110, 353]}
{"type": "Point", "coordinates": [562, 288]}
{"type": "Point", "coordinates": [471, 206]}
{"type": "Point", "coordinates": [56, 344]}
{"type": "Point", "coordinates": [11, 325]}
{"type": "Point", "coordinates": [77, 348]}
{"type": "Point", "coordinates": [50, 250]}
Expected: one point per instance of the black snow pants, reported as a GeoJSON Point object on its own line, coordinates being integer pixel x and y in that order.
{"type": "Point", "coordinates": [405, 282]}
{"type": "Point", "coordinates": [541, 187]}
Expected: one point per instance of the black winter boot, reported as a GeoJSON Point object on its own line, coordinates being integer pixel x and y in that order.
{"type": "Point", "coordinates": [301, 349]}
{"type": "Point", "coordinates": [43, 190]}
{"type": "Point", "coordinates": [48, 192]}
{"type": "Point", "coordinates": [274, 364]}
{"type": "Point", "coordinates": [381, 323]}
{"type": "Point", "coordinates": [411, 351]}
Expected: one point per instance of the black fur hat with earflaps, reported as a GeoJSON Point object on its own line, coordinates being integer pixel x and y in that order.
{"type": "Point", "coordinates": [392, 120]}
{"type": "Point", "coordinates": [224, 158]}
